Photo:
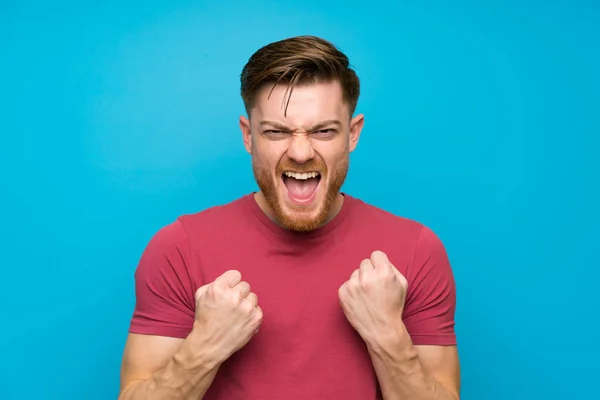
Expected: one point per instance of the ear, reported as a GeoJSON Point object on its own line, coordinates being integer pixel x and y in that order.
{"type": "Point", "coordinates": [356, 125]}
{"type": "Point", "coordinates": [246, 133]}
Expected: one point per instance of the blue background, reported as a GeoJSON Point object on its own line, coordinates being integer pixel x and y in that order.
{"type": "Point", "coordinates": [481, 121]}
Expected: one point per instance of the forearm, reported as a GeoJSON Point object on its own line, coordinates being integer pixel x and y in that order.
{"type": "Point", "coordinates": [401, 374]}
{"type": "Point", "coordinates": [186, 376]}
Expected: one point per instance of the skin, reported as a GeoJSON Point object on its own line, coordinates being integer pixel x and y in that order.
{"type": "Point", "coordinates": [302, 138]}
{"type": "Point", "coordinates": [156, 367]}
{"type": "Point", "coordinates": [373, 300]}
{"type": "Point", "coordinates": [315, 133]}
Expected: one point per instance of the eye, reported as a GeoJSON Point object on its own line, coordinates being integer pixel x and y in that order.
{"type": "Point", "coordinates": [324, 134]}
{"type": "Point", "coordinates": [274, 134]}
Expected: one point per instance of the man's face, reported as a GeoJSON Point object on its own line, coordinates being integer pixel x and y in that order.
{"type": "Point", "coordinates": [300, 159]}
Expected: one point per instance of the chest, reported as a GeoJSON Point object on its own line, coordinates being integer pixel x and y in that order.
{"type": "Point", "coordinates": [294, 284]}
{"type": "Point", "coordinates": [305, 347]}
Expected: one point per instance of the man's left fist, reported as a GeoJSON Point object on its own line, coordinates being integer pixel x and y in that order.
{"type": "Point", "coordinates": [373, 298]}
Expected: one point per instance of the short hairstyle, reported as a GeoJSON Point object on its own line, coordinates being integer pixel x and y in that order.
{"type": "Point", "coordinates": [296, 61]}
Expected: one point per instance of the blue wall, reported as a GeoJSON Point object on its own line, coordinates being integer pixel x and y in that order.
{"type": "Point", "coordinates": [481, 121]}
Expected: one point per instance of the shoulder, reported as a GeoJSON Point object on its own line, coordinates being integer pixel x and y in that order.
{"type": "Point", "coordinates": [175, 236]}
{"type": "Point", "coordinates": [381, 219]}
{"type": "Point", "coordinates": [217, 216]}
{"type": "Point", "coordinates": [413, 239]}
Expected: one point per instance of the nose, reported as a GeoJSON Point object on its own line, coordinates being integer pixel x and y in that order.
{"type": "Point", "coordinates": [300, 149]}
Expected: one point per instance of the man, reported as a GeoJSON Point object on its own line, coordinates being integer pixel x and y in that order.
{"type": "Point", "coordinates": [297, 291]}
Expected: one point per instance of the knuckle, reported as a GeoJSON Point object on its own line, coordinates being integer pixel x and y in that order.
{"type": "Point", "coordinates": [233, 297]}
{"type": "Point", "coordinates": [258, 314]}
{"type": "Point", "coordinates": [216, 290]}
{"type": "Point", "coordinates": [246, 306]}
{"type": "Point", "coordinates": [198, 296]}
{"type": "Point", "coordinates": [356, 283]}
{"type": "Point", "coordinates": [238, 297]}
{"type": "Point", "coordinates": [365, 285]}
{"type": "Point", "coordinates": [253, 298]}
{"type": "Point", "coordinates": [403, 282]}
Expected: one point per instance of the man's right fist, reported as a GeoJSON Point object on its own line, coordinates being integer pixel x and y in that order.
{"type": "Point", "coordinates": [227, 315]}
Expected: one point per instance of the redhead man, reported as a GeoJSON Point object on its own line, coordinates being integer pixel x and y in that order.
{"type": "Point", "coordinates": [297, 290]}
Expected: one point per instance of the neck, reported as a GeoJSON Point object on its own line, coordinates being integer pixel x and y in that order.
{"type": "Point", "coordinates": [264, 206]}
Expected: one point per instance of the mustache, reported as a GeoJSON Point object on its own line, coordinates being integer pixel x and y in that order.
{"type": "Point", "coordinates": [310, 166]}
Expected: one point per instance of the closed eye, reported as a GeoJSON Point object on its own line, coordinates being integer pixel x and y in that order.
{"type": "Point", "coordinates": [320, 134]}
{"type": "Point", "coordinates": [324, 134]}
{"type": "Point", "coordinates": [275, 134]}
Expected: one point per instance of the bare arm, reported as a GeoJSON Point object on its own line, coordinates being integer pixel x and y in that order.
{"type": "Point", "coordinates": [405, 371]}
{"type": "Point", "coordinates": [156, 367]}
{"type": "Point", "coordinates": [373, 300]}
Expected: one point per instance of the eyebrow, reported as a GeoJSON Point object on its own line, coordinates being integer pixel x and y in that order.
{"type": "Point", "coordinates": [315, 127]}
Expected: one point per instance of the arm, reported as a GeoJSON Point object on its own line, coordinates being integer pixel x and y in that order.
{"type": "Point", "coordinates": [180, 335]}
{"type": "Point", "coordinates": [409, 332]}
{"type": "Point", "coordinates": [420, 360]}
{"type": "Point", "coordinates": [405, 371]}
{"type": "Point", "coordinates": [157, 359]}
{"type": "Point", "coordinates": [158, 367]}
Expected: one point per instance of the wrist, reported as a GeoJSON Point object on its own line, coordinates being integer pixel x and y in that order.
{"type": "Point", "coordinates": [396, 354]}
{"type": "Point", "coordinates": [196, 353]}
{"type": "Point", "coordinates": [392, 342]}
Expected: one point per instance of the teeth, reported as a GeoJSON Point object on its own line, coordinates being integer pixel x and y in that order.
{"type": "Point", "coordinates": [302, 176]}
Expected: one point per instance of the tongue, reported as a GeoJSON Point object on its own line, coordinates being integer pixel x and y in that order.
{"type": "Point", "coordinates": [301, 189]}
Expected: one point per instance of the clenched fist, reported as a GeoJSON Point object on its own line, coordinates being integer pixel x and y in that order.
{"type": "Point", "coordinates": [373, 298]}
{"type": "Point", "coordinates": [227, 315]}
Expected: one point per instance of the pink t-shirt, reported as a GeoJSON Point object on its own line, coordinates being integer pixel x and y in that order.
{"type": "Point", "coordinates": [305, 348]}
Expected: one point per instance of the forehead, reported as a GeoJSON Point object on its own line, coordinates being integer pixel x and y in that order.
{"type": "Point", "coordinates": [308, 104]}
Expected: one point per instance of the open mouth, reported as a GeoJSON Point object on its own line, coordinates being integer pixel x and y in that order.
{"type": "Point", "coordinates": [301, 186]}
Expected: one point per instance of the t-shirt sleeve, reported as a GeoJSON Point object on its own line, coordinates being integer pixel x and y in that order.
{"type": "Point", "coordinates": [431, 299]}
{"type": "Point", "coordinates": [164, 303]}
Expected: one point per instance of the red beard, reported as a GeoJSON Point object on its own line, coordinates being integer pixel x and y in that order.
{"type": "Point", "coordinates": [301, 218]}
